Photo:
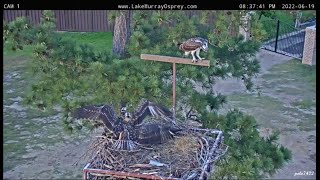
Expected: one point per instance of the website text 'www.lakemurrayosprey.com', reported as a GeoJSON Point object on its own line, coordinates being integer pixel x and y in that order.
{"type": "Point", "coordinates": [157, 6]}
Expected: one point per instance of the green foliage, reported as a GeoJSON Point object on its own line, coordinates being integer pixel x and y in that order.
{"type": "Point", "coordinates": [249, 155]}
{"type": "Point", "coordinates": [258, 30]}
{"type": "Point", "coordinates": [307, 15]}
{"type": "Point", "coordinates": [233, 169]}
{"type": "Point", "coordinates": [112, 14]}
{"type": "Point", "coordinates": [287, 154]}
{"type": "Point", "coordinates": [72, 75]}
{"type": "Point", "coordinates": [267, 22]}
{"type": "Point", "coordinates": [286, 16]}
{"type": "Point", "coordinates": [268, 14]}
{"type": "Point", "coordinates": [16, 32]}
{"type": "Point", "coordinates": [304, 104]}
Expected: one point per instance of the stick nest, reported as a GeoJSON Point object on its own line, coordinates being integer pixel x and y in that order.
{"type": "Point", "coordinates": [182, 157]}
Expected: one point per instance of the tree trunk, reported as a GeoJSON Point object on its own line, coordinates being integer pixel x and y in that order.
{"type": "Point", "coordinates": [122, 33]}
{"type": "Point", "coordinates": [233, 24]}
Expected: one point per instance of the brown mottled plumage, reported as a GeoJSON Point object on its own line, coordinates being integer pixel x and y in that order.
{"type": "Point", "coordinates": [97, 113]}
{"type": "Point", "coordinates": [156, 133]}
{"type": "Point", "coordinates": [194, 45]}
{"type": "Point", "coordinates": [128, 130]}
{"type": "Point", "coordinates": [146, 134]}
{"type": "Point", "coordinates": [148, 108]}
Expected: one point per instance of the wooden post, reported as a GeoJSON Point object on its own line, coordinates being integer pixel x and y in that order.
{"type": "Point", "coordinates": [174, 61]}
{"type": "Point", "coordinates": [174, 89]}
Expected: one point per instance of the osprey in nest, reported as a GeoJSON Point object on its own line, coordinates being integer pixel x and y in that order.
{"type": "Point", "coordinates": [129, 129]}
{"type": "Point", "coordinates": [194, 45]}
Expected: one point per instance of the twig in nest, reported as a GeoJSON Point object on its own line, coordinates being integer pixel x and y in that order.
{"type": "Point", "coordinates": [201, 151]}
{"type": "Point", "coordinates": [149, 148]}
{"type": "Point", "coordinates": [141, 166]}
{"type": "Point", "coordinates": [191, 174]}
{"type": "Point", "coordinates": [92, 148]}
{"type": "Point", "coordinates": [206, 146]}
{"type": "Point", "coordinates": [103, 137]}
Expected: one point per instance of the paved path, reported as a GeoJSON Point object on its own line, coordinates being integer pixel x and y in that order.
{"type": "Point", "coordinates": [267, 60]}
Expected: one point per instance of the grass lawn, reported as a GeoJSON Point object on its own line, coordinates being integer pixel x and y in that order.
{"type": "Point", "coordinates": [295, 71]}
{"type": "Point", "coordinates": [101, 41]}
{"type": "Point", "coordinates": [288, 99]}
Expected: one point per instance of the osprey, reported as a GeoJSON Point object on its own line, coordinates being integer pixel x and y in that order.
{"type": "Point", "coordinates": [128, 129]}
{"type": "Point", "coordinates": [147, 108]}
{"type": "Point", "coordinates": [128, 135]}
{"type": "Point", "coordinates": [194, 45]}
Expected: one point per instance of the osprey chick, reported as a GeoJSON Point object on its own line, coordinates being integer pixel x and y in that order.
{"type": "Point", "coordinates": [127, 128]}
{"type": "Point", "coordinates": [194, 45]}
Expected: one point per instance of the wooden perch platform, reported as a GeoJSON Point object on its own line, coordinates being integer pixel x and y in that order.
{"type": "Point", "coordinates": [170, 59]}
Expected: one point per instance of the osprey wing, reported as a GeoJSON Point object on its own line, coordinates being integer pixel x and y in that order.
{"type": "Point", "coordinates": [148, 108]}
{"type": "Point", "coordinates": [155, 133]}
{"type": "Point", "coordinates": [104, 113]}
{"type": "Point", "coordinates": [190, 45]}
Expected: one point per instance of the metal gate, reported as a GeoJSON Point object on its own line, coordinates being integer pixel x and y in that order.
{"type": "Point", "coordinates": [284, 38]}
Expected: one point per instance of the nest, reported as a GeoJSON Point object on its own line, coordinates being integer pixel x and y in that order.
{"type": "Point", "coordinates": [190, 155]}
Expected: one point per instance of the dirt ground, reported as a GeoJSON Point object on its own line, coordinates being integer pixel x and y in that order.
{"type": "Point", "coordinates": [286, 103]}
{"type": "Point", "coordinates": [35, 145]}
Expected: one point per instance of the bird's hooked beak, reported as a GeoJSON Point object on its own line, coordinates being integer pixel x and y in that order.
{"type": "Point", "coordinates": [205, 47]}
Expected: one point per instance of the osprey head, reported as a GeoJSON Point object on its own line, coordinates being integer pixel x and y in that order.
{"type": "Point", "coordinates": [127, 117]}
{"type": "Point", "coordinates": [204, 46]}
{"type": "Point", "coordinates": [123, 109]}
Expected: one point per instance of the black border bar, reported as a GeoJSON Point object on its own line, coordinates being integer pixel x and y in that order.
{"type": "Point", "coordinates": [163, 5]}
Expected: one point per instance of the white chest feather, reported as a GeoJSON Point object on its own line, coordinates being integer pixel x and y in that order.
{"type": "Point", "coordinates": [192, 52]}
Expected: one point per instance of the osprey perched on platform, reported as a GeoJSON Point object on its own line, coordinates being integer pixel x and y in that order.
{"type": "Point", "coordinates": [128, 129]}
{"type": "Point", "coordinates": [194, 45]}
